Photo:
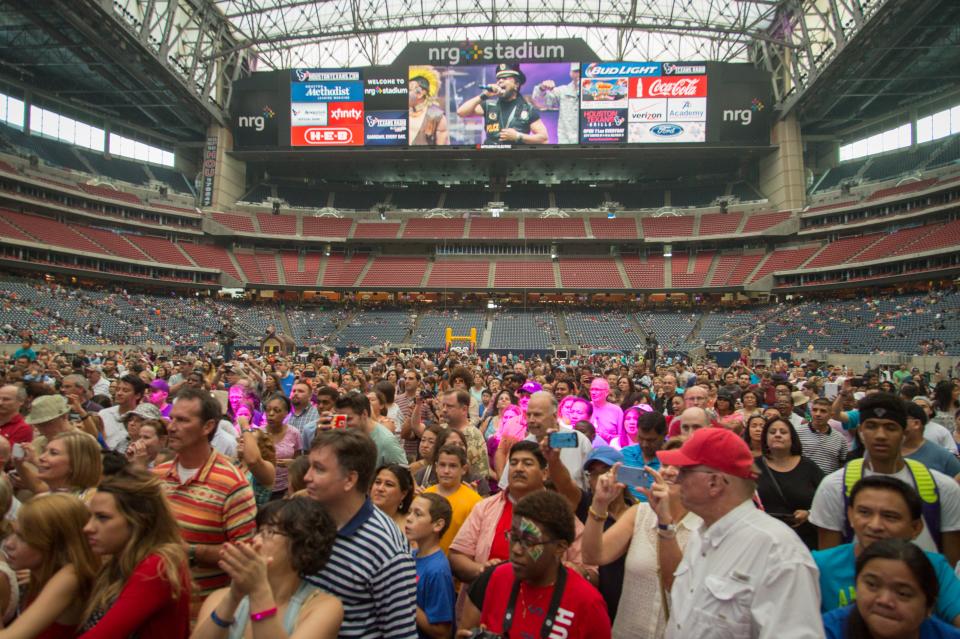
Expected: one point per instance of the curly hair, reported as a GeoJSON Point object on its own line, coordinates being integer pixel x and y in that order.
{"type": "Point", "coordinates": [309, 528]}
{"type": "Point", "coordinates": [551, 511]}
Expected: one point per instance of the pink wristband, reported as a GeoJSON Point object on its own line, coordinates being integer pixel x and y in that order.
{"type": "Point", "coordinates": [263, 614]}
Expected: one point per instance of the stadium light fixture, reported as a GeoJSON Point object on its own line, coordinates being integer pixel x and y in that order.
{"type": "Point", "coordinates": [667, 250]}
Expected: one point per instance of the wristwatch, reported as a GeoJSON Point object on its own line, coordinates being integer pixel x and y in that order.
{"type": "Point", "coordinates": [667, 531]}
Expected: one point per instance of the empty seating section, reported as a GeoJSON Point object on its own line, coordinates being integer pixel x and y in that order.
{"type": "Point", "coordinates": [839, 173]}
{"type": "Point", "coordinates": [434, 228]}
{"type": "Point", "coordinates": [50, 231]}
{"type": "Point", "coordinates": [271, 224]}
{"type": "Point", "coordinates": [326, 226]}
{"type": "Point", "coordinates": [314, 326]}
{"type": "Point", "coordinates": [110, 193]}
{"type": "Point", "coordinates": [343, 271]}
{"type": "Point", "coordinates": [743, 269]}
{"type": "Point", "coordinates": [599, 273]}
{"type": "Point", "coordinates": [724, 329]}
{"type": "Point", "coordinates": [51, 152]}
{"type": "Point", "coordinates": [267, 262]}
{"type": "Point", "coordinates": [759, 222]}
{"type": "Point", "coordinates": [622, 228]}
{"type": "Point", "coordinates": [114, 243]}
{"type": "Point", "coordinates": [116, 168]}
{"type": "Point", "coordinates": [250, 266]}
{"type": "Point", "coordinates": [602, 329]}
{"type": "Point", "coordinates": [515, 329]}
{"type": "Point", "coordinates": [901, 240]}
{"type": "Point", "coordinates": [303, 196]}
{"type": "Point", "coordinates": [486, 228]}
{"type": "Point", "coordinates": [785, 260]}
{"type": "Point", "coordinates": [644, 272]}
{"type": "Point", "coordinates": [550, 228]}
{"type": "Point", "coordinates": [258, 194]}
{"type": "Point", "coordinates": [10, 231]}
{"type": "Point", "coordinates": [696, 196]}
{"type": "Point", "coordinates": [360, 200]}
{"type": "Point", "coordinates": [720, 223]}
{"type": "Point", "coordinates": [691, 273]}
{"type": "Point", "coordinates": [159, 249]}
{"type": "Point", "coordinates": [908, 187]}
{"type": "Point", "coordinates": [374, 230]}
{"type": "Point", "coordinates": [174, 179]}
{"type": "Point", "coordinates": [832, 205]}
{"type": "Point", "coordinates": [396, 272]}
{"type": "Point", "coordinates": [745, 192]}
{"type": "Point", "coordinates": [525, 198]}
{"type": "Point", "coordinates": [467, 199]}
{"type": "Point", "coordinates": [725, 267]}
{"type": "Point", "coordinates": [414, 199]}
{"type": "Point", "coordinates": [292, 273]}
{"type": "Point", "coordinates": [242, 223]}
{"type": "Point", "coordinates": [431, 327]}
{"type": "Point", "coordinates": [941, 236]}
{"type": "Point", "coordinates": [884, 167]}
{"type": "Point", "coordinates": [635, 197]}
{"type": "Point", "coordinates": [211, 256]}
{"type": "Point", "coordinates": [672, 330]}
{"type": "Point", "coordinates": [372, 328]}
{"type": "Point", "coordinates": [844, 250]}
{"type": "Point", "coordinates": [459, 274]}
{"type": "Point", "coordinates": [7, 167]}
{"type": "Point", "coordinates": [668, 226]}
{"type": "Point", "coordinates": [578, 198]}
{"type": "Point", "coordinates": [520, 274]}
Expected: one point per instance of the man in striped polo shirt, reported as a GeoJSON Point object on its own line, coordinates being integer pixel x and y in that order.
{"type": "Point", "coordinates": [210, 498]}
{"type": "Point", "coordinates": [371, 568]}
{"type": "Point", "coordinates": [823, 445]}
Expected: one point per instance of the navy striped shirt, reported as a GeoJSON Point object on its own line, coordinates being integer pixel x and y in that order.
{"type": "Point", "coordinates": [372, 572]}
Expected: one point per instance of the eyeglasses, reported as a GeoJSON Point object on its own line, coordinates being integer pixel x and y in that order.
{"type": "Point", "coordinates": [514, 537]}
{"type": "Point", "coordinates": [685, 470]}
{"type": "Point", "coordinates": [269, 532]}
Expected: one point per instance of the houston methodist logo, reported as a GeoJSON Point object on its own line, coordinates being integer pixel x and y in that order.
{"type": "Point", "coordinates": [256, 122]}
{"type": "Point", "coordinates": [474, 52]}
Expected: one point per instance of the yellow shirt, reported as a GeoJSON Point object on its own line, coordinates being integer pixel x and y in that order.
{"type": "Point", "coordinates": [462, 503]}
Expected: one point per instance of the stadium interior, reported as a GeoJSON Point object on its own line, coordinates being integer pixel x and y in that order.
{"type": "Point", "coordinates": [128, 215]}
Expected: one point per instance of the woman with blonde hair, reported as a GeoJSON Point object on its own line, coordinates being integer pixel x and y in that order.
{"type": "Point", "coordinates": [143, 588]}
{"type": "Point", "coordinates": [71, 463]}
{"type": "Point", "coordinates": [48, 541]}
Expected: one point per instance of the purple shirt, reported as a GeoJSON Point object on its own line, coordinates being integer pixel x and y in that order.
{"type": "Point", "coordinates": [606, 420]}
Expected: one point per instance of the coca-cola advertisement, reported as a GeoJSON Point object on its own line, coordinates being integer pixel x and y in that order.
{"type": "Point", "coordinates": [674, 87]}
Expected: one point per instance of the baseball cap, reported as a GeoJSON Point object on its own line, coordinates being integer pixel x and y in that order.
{"type": "Point", "coordinates": [45, 408]}
{"type": "Point", "coordinates": [160, 384]}
{"type": "Point", "coordinates": [604, 454]}
{"type": "Point", "coordinates": [530, 387]}
{"type": "Point", "coordinates": [717, 448]}
{"type": "Point", "coordinates": [144, 410]}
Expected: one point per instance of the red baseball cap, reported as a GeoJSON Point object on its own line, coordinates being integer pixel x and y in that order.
{"type": "Point", "coordinates": [716, 448]}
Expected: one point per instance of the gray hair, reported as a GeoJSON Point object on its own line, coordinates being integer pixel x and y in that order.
{"type": "Point", "coordinates": [79, 380]}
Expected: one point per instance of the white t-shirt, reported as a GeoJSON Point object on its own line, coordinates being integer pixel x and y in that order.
{"type": "Point", "coordinates": [572, 458]}
{"type": "Point", "coordinates": [114, 432]}
{"type": "Point", "coordinates": [828, 512]}
{"type": "Point", "coordinates": [225, 439]}
{"type": "Point", "coordinates": [939, 435]}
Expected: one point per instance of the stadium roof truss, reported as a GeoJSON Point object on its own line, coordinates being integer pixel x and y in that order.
{"type": "Point", "coordinates": [342, 33]}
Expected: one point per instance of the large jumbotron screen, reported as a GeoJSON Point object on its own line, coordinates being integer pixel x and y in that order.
{"type": "Point", "coordinates": [485, 101]}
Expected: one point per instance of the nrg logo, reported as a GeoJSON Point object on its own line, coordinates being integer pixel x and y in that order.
{"type": "Point", "coordinates": [256, 122]}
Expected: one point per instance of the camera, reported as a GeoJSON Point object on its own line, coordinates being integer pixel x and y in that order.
{"type": "Point", "coordinates": [483, 634]}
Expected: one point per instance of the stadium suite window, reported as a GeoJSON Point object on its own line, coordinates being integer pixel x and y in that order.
{"type": "Point", "coordinates": [938, 125]}
{"type": "Point", "coordinates": [50, 124]}
{"type": "Point", "coordinates": [11, 111]}
{"type": "Point", "coordinates": [122, 146]}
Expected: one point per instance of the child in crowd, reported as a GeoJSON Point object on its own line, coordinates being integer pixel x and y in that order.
{"type": "Point", "coordinates": [451, 468]}
{"type": "Point", "coordinates": [429, 518]}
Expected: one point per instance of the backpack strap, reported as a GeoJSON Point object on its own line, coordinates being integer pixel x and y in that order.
{"type": "Point", "coordinates": [930, 496]}
{"type": "Point", "coordinates": [852, 473]}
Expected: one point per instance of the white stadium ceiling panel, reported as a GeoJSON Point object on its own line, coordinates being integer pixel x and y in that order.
{"type": "Point", "coordinates": [292, 33]}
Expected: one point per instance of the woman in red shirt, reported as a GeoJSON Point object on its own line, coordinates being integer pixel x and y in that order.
{"type": "Point", "coordinates": [143, 588]}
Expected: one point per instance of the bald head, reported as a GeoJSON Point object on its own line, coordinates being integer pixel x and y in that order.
{"type": "Point", "coordinates": [693, 419]}
{"type": "Point", "coordinates": [599, 389]}
{"type": "Point", "coordinates": [695, 397]}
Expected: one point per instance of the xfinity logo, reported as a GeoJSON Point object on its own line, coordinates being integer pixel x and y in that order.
{"type": "Point", "coordinates": [353, 114]}
{"type": "Point", "coordinates": [472, 52]}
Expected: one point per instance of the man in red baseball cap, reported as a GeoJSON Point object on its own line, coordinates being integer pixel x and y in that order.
{"type": "Point", "coordinates": [744, 573]}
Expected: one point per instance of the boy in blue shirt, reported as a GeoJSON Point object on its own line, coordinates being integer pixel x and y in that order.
{"type": "Point", "coordinates": [881, 507]}
{"type": "Point", "coordinates": [430, 516]}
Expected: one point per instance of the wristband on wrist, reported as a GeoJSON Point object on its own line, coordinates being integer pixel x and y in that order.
{"type": "Point", "coordinates": [218, 621]}
{"type": "Point", "coordinates": [263, 614]}
{"type": "Point", "coordinates": [597, 516]}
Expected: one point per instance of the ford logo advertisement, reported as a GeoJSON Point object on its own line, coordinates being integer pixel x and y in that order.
{"type": "Point", "coordinates": [667, 130]}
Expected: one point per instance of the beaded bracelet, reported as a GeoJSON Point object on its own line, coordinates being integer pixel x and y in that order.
{"type": "Point", "coordinates": [263, 614]}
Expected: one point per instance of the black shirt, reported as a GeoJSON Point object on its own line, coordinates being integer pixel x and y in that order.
{"type": "Point", "coordinates": [499, 114]}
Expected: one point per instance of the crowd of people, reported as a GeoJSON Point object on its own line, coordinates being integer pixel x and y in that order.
{"type": "Point", "coordinates": [452, 495]}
